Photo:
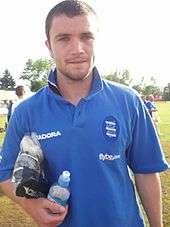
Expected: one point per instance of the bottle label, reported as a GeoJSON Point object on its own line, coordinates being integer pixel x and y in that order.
{"type": "Point", "coordinates": [57, 200]}
{"type": "Point", "coordinates": [59, 194]}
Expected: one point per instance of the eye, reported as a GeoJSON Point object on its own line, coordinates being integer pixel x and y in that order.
{"type": "Point", "coordinates": [63, 39]}
{"type": "Point", "coordinates": [87, 37]}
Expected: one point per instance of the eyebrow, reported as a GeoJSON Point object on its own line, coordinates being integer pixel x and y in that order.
{"type": "Point", "coordinates": [67, 34]}
{"type": "Point", "coordinates": [62, 35]}
{"type": "Point", "coordinates": [88, 33]}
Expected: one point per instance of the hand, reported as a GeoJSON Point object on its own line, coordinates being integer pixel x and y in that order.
{"type": "Point", "coordinates": [44, 212]}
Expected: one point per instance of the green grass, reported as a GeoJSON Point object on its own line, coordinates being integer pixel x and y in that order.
{"type": "Point", "coordinates": [11, 215]}
{"type": "Point", "coordinates": [2, 125]}
{"type": "Point", "coordinates": [164, 112]}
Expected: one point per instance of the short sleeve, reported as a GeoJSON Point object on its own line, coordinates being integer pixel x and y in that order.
{"type": "Point", "coordinates": [145, 154]}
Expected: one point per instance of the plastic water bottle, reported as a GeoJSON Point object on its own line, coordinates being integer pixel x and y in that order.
{"type": "Point", "coordinates": [59, 192]}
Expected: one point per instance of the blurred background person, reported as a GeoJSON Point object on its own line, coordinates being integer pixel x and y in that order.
{"type": "Point", "coordinates": [21, 95]}
{"type": "Point", "coordinates": [9, 107]}
{"type": "Point", "coordinates": [152, 108]}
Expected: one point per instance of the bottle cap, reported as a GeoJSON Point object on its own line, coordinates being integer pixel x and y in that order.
{"type": "Point", "coordinates": [64, 179]}
{"type": "Point", "coordinates": [66, 175]}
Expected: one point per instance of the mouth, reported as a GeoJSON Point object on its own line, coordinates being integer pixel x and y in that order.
{"type": "Point", "coordinates": [77, 61]}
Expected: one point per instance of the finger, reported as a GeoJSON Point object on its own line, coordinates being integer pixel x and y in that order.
{"type": "Point", "coordinates": [53, 206]}
{"type": "Point", "coordinates": [59, 217]}
{"type": "Point", "coordinates": [56, 208]}
{"type": "Point", "coordinates": [54, 219]}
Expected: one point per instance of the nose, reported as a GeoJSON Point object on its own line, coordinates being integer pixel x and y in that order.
{"type": "Point", "coordinates": [77, 47]}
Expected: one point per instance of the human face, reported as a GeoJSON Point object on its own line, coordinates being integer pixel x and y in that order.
{"type": "Point", "coordinates": [71, 44]}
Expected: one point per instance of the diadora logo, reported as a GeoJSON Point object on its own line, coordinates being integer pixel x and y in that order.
{"type": "Point", "coordinates": [109, 157]}
{"type": "Point", "coordinates": [48, 135]}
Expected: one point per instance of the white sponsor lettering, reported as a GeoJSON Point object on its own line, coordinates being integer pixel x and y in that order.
{"type": "Point", "coordinates": [110, 134]}
{"type": "Point", "coordinates": [110, 129]}
{"type": "Point", "coordinates": [48, 135]}
{"type": "Point", "coordinates": [110, 123]}
{"type": "Point", "coordinates": [109, 157]}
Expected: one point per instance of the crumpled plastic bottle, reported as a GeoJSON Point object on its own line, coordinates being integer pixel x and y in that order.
{"type": "Point", "coordinates": [28, 174]}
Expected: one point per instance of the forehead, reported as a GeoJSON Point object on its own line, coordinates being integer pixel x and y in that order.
{"type": "Point", "coordinates": [79, 24]}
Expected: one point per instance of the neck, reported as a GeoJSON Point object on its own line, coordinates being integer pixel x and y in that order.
{"type": "Point", "coordinates": [20, 97]}
{"type": "Point", "coordinates": [73, 90]}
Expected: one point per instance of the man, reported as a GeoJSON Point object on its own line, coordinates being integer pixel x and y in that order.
{"type": "Point", "coordinates": [150, 104]}
{"type": "Point", "coordinates": [9, 107]}
{"type": "Point", "coordinates": [91, 127]}
{"type": "Point", "coordinates": [20, 93]}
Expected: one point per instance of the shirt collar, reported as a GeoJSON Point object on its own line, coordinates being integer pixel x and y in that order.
{"type": "Point", "coordinates": [96, 87]}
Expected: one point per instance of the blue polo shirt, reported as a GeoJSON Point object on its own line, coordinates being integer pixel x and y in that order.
{"type": "Point", "coordinates": [150, 106]}
{"type": "Point", "coordinates": [97, 140]}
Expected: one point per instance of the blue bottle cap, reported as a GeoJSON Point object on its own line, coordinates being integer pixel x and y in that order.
{"type": "Point", "coordinates": [64, 179]}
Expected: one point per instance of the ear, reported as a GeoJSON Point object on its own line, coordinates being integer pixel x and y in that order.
{"type": "Point", "coordinates": [47, 43]}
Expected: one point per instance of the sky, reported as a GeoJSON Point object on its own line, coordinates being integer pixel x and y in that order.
{"type": "Point", "coordinates": [134, 35]}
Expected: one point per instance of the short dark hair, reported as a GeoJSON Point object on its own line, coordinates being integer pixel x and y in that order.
{"type": "Point", "coordinates": [20, 90]}
{"type": "Point", "coordinates": [70, 8]}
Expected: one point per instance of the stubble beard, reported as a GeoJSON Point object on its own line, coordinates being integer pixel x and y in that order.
{"type": "Point", "coordinates": [75, 77]}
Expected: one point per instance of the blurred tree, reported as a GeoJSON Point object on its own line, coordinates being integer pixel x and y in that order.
{"type": "Point", "coordinates": [151, 89]}
{"type": "Point", "coordinates": [36, 72]}
{"type": "Point", "coordinates": [142, 88]}
{"type": "Point", "coordinates": [28, 72]}
{"type": "Point", "coordinates": [123, 78]}
{"type": "Point", "coordinates": [6, 81]}
{"type": "Point", "coordinates": [37, 84]}
{"type": "Point", "coordinates": [140, 85]}
{"type": "Point", "coordinates": [113, 77]}
{"type": "Point", "coordinates": [138, 88]}
{"type": "Point", "coordinates": [152, 80]}
{"type": "Point", "coordinates": [166, 93]}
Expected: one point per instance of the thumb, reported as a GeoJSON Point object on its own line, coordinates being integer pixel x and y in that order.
{"type": "Point", "coordinates": [55, 207]}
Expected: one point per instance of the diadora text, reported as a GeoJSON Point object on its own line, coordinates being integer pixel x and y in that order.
{"type": "Point", "coordinates": [48, 135]}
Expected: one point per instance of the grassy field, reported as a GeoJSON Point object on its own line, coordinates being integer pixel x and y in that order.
{"type": "Point", "coordinates": [164, 112]}
{"type": "Point", "coordinates": [11, 215]}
